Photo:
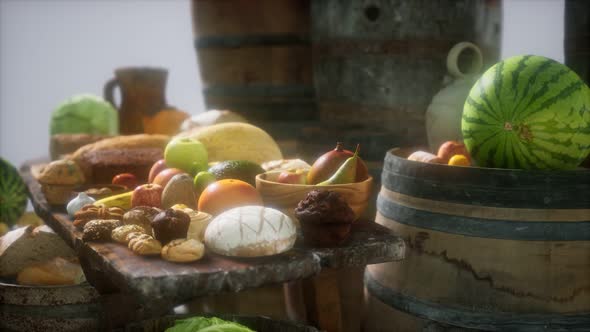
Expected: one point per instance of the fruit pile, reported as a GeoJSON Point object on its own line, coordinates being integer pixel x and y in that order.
{"type": "Point", "coordinates": [189, 203]}
{"type": "Point", "coordinates": [525, 112]}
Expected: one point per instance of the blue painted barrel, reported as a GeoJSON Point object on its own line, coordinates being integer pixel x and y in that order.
{"type": "Point", "coordinates": [490, 249]}
{"type": "Point", "coordinates": [255, 57]}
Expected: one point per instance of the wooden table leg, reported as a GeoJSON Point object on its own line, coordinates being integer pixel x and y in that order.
{"type": "Point", "coordinates": [332, 300]}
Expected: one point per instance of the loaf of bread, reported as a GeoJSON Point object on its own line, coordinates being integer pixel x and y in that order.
{"type": "Point", "coordinates": [56, 271]}
{"type": "Point", "coordinates": [28, 245]}
{"type": "Point", "coordinates": [102, 160]}
{"type": "Point", "coordinates": [250, 231]}
{"type": "Point", "coordinates": [61, 145]}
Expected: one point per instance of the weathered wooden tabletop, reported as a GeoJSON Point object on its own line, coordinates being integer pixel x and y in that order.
{"type": "Point", "coordinates": [156, 282]}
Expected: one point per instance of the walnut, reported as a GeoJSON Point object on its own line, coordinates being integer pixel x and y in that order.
{"type": "Point", "coordinates": [120, 233]}
{"type": "Point", "coordinates": [141, 216]}
{"type": "Point", "coordinates": [90, 212]}
{"type": "Point", "coordinates": [99, 229]}
{"type": "Point", "coordinates": [183, 250]}
{"type": "Point", "coordinates": [144, 244]}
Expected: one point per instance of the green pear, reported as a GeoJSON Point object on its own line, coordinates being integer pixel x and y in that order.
{"type": "Point", "coordinates": [179, 190]}
{"type": "Point", "coordinates": [346, 173]}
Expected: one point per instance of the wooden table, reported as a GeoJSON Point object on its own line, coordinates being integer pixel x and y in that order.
{"type": "Point", "coordinates": [154, 285]}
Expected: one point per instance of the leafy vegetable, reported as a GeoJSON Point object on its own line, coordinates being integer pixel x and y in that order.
{"type": "Point", "coordinates": [84, 113]}
{"type": "Point", "coordinates": [204, 324]}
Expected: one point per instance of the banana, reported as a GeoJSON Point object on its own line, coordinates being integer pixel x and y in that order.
{"type": "Point", "coordinates": [120, 200]}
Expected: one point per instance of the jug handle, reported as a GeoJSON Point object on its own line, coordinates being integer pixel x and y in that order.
{"type": "Point", "coordinates": [453, 59]}
{"type": "Point", "coordinates": [108, 91]}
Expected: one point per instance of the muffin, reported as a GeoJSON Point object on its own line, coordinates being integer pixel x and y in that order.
{"type": "Point", "coordinates": [325, 218]}
{"type": "Point", "coordinates": [170, 224]}
{"type": "Point", "coordinates": [58, 180]}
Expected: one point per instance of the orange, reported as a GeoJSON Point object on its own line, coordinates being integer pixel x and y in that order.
{"type": "Point", "coordinates": [225, 194]}
{"type": "Point", "coordinates": [165, 122]}
{"type": "Point", "coordinates": [459, 160]}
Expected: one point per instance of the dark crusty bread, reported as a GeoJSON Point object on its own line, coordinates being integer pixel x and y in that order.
{"type": "Point", "coordinates": [135, 154]}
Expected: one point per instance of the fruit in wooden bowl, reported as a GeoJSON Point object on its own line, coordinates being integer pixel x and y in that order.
{"type": "Point", "coordinates": [286, 196]}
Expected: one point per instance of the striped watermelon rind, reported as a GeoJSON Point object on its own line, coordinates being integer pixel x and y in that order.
{"type": "Point", "coordinates": [528, 112]}
{"type": "Point", "coordinates": [13, 194]}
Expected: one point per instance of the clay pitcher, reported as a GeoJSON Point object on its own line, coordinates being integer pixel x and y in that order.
{"type": "Point", "coordinates": [143, 93]}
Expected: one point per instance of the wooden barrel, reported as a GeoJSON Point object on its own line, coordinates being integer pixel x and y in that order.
{"type": "Point", "coordinates": [49, 308]}
{"type": "Point", "coordinates": [379, 63]}
{"type": "Point", "coordinates": [255, 57]}
{"type": "Point", "coordinates": [577, 37]}
{"type": "Point", "coordinates": [489, 249]}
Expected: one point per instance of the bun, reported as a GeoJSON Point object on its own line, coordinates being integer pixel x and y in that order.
{"type": "Point", "coordinates": [28, 245]}
{"type": "Point", "coordinates": [183, 250]}
{"type": "Point", "coordinates": [250, 231]}
{"type": "Point", "coordinates": [57, 271]}
{"type": "Point", "coordinates": [102, 160]}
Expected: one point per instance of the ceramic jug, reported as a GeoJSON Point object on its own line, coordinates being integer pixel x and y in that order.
{"type": "Point", "coordinates": [143, 93]}
{"type": "Point", "coordinates": [443, 116]}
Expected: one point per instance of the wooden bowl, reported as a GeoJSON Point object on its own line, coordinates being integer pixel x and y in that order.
{"type": "Point", "coordinates": [285, 197]}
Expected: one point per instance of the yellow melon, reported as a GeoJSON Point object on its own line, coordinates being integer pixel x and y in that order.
{"type": "Point", "coordinates": [236, 141]}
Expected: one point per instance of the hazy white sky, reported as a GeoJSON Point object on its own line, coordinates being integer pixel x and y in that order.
{"type": "Point", "coordinates": [52, 49]}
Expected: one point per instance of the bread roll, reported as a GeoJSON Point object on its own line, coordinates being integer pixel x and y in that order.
{"type": "Point", "coordinates": [28, 245]}
{"type": "Point", "coordinates": [250, 231]}
{"type": "Point", "coordinates": [57, 271]}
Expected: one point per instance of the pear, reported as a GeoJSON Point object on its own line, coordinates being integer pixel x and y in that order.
{"type": "Point", "coordinates": [346, 173]}
{"type": "Point", "coordinates": [179, 190]}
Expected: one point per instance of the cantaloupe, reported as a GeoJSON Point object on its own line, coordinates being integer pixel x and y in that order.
{"type": "Point", "coordinates": [236, 141]}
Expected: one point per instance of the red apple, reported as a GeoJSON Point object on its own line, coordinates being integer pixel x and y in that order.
{"type": "Point", "coordinates": [147, 195]}
{"type": "Point", "coordinates": [125, 179]}
{"type": "Point", "coordinates": [450, 148]}
{"type": "Point", "coordinates": [164, 176]}
{"type": "Point", "coordinates": [157, 167]}
{"type": "Point", "coordinates": [292, 176]}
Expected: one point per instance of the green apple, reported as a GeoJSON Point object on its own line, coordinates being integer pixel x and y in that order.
{"type": "Point", "coordinates": [186, 153]}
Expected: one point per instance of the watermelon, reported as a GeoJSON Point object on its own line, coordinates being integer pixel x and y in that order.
{"type": "Point", "coordinates": [13, 193]}
{"type": "Point", "coordinates": [528, 112]}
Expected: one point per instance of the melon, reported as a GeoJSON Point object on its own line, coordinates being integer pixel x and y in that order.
{"type": "Point", "coordinates": [528, 112]}
{"type": "Point", "coordinates": [236, 141]}
{"type": "Point", "coordinates": [13, 193]}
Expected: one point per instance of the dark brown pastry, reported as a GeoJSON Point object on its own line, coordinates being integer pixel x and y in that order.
{"type": "Point", "coordinates": [324, 206]}
{"type": "Point", "coordinates": [99, 229]}
{"type": "Point", "coordinates": [141, 216]}
{"type": "Point", "coordinates": [325, 218]}
{"type": "Point", "coordinates": [90, 212]}
{"type": "Point", "coordinates": [170, 224]}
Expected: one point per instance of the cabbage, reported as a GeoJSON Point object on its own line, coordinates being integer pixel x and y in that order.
{"type": "Point", "coordinates": [84, 114]}
{"type": "Point", "coordinates": [204, 324]}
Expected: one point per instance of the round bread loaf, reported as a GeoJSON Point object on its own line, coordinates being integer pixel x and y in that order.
{"type": "Point", "coordinates": [250, 231]}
